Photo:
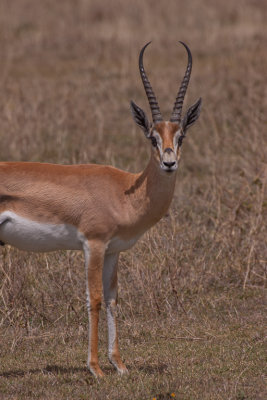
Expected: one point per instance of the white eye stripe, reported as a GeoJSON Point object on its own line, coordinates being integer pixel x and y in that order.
{"type": "Point", "coordinates": [156, 135]}
{"type": "Point", "coordinates": [158, 138]}
{"type": "Point", "coordinates": [176, 139]}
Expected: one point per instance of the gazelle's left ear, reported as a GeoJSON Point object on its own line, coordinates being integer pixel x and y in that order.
{"type": "Point", "coordinates": [191, 115]}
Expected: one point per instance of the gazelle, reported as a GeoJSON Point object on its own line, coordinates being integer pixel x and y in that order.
{"type": "Point", "coordinates": [97, 208]}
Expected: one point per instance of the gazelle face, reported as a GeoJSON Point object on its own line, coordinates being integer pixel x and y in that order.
{"type": "Point", "coordinates": [164, 137]}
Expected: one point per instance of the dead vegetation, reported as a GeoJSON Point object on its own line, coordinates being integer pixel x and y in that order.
{"type": "Point", "coordinates": [192, 290]}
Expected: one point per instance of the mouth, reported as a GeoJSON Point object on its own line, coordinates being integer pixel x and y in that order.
{"type": "Point", "coordinates": [170, 169]}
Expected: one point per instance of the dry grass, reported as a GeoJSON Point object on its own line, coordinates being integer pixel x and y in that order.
{"type": "Point", "coordinates": [191, 311]}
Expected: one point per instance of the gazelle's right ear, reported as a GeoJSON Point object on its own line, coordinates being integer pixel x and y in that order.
{"type": "Point", "coordinates": [140, 118]}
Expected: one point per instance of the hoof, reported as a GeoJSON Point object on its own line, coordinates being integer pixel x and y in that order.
{"type": "Point", "coordinates": [95, 370]}
{"type": "Point", "coordinates": [119, 365]}
{"type": "Point", "coordinates": [122, 370]}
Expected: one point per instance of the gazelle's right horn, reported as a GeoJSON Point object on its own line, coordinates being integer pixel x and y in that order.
{"type": "Point", "coordinates": [156, 114]}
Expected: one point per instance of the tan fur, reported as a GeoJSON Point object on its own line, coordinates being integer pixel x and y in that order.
{"type": "Point", "coordinates": [167, 132]}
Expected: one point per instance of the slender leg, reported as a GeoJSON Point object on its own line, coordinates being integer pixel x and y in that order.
{"type": "Point", "coordinates": [110, 296]}
{"type": "Point", "coordinates": [94, 257]}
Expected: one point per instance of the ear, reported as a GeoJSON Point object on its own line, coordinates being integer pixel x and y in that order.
{"type": "Point", "coordinates": [191, 115]}
{"type": "Point", "coordinates": [140, 118]}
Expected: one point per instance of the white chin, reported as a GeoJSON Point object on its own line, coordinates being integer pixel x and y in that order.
{"type": "Point", "coordinates": [169, 170]}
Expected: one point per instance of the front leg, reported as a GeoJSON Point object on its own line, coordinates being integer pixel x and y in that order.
{"type": "Point", "coordinates": [94, 257]}
{"type": "Point", "coordinates": [110, 296]}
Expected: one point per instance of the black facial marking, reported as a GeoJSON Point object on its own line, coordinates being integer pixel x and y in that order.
{"type": "Point", "coordinates": [154, 141]}
{"type": "Point", "coordinates": [180, 140]}
{"type": "Point", "coordinates": [168, 150]}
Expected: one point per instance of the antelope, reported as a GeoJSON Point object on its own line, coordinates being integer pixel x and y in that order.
{"type": "Point", "coordinates": [99, 209]}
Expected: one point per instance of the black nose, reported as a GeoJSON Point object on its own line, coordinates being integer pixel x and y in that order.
{"type": "Point", "coordinates": [169, 164]}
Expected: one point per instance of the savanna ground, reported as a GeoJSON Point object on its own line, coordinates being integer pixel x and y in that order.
{"type": "Point", "coordinates": [191, 308]}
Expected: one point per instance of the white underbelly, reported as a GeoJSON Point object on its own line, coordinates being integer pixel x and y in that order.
{"type": "Point", "coordinates": [26, 234]}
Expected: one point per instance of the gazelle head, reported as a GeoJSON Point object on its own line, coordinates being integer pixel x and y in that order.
{"type": "Point", "coordinates": [166, 136]}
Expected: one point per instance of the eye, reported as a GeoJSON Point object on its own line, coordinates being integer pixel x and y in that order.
{"type": "Point", "coordinates": [154, 141]}
{"type": "Point", "coordinates": [180, 140]}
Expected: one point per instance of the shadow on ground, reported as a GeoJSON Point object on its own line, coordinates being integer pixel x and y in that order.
{"type": "Point", "coordinates": [59, 370]}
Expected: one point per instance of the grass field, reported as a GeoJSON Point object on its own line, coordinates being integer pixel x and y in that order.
{"type": "Point", "coordinates": [191, 308]}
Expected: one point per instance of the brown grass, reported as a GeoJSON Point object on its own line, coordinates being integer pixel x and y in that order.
{"type": "Point", "coordinates": [191, 312]}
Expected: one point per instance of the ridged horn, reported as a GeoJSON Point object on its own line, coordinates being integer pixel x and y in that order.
{"type": "Point", "coordinates": [156, 114]}
{"type": "Point", "coordinates": [178, 105]}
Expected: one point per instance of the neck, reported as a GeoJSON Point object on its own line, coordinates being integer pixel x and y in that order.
{"type": "Point", "coordinates": [151, 193]}
{"type": "Point", "coordinates": [159, 186]}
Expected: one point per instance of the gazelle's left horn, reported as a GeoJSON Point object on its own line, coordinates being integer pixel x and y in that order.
{"type": "Point", "coordinates": [178, 105]}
